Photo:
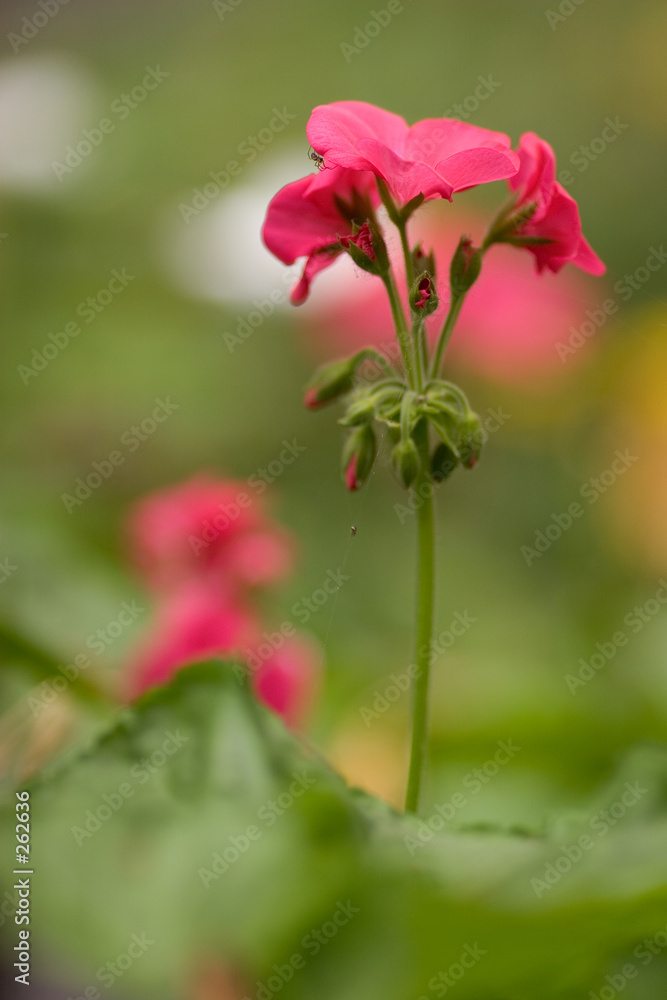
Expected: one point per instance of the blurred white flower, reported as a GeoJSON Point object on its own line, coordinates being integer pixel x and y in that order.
{"type": "Point", "coordinates": [45, 102]}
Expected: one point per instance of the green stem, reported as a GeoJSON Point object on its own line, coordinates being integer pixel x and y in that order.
{"type": "Point", "coordinates": [401, 327]}
{"type": "Point", "coordinates": [407, 256]}
{"type": "Point", "coordinates": [452, 316]}
{"type": "Point", "coordinates": [419, 337]}
{"type": "Point", "coordinates": [425, 602]}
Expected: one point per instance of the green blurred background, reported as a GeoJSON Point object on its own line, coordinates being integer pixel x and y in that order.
{"type": "Point", "coordinates": [163, 336]}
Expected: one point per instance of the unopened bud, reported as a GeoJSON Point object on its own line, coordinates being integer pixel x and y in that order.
{"type": "Point", "coordinates": [423, 261]}
{"type": "Point", "coordinates": [465, 267]}
{"type": "Point", "coordinates": [406, 461]}
{"type": "Point", "coordinates": [471, 439]}
{"type": "Point", "coordinates": [423, 296]}
{"type": "Point", "coordinates": [443, 462]}
{"type": "Point", "coordinates": [329, 383]}
{"type": "Point", "coordinates": [359, 456]}
{"type": "Point", "coordinates": [361, 250]}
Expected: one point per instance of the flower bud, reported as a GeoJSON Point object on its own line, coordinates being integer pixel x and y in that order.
{"type": "Point", "coordinates": [406, 461]}
{"type": "Point", "coordinates": [465, 267]}
{"type": "Point", "coordinates": [329, 383]}
{"type": "Point", "coordinates": [423, 261]}
{"type": "Point", "coordinates": [423, 296]}
{"type": "Point", "coordinates": [443, 463]}
{"type": "Point", "coordinates": [471, 439]}
{"type": "Point", "coordinates": [367, 249]}
{"type": "Point", "coordinates": [358, 456]}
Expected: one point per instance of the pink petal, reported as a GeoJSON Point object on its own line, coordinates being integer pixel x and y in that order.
{"type": "Point", "coordinates": [334, 131]}
{"type": "Point", "coordinates": [477, 166]}
{"type": "Point", "coordinates": [295, 227]}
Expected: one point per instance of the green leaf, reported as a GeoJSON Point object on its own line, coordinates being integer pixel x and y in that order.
{"type": "Point", "coordinates": [200, 822]}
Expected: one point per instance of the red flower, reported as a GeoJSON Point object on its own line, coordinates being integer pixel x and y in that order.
{"type": "Point", "coordinates": [307, 219]}
{"type": "Point", "coordinates": [202, 546]}
{"type": "Point", "coordinates": [194, 623]}
{"type": "Point", "coordinates": [556, 217]}
{"type": "Point", "coordinates": [207, 528]}
{"type": "Point", "coordinates": [434, 158]}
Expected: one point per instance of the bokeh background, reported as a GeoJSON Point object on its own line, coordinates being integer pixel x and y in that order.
{"type": "Point", "coordinates": [173, 333]}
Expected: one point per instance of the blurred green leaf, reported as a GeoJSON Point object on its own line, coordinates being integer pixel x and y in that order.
{"type": "Point", "coordinates": [201, 823]}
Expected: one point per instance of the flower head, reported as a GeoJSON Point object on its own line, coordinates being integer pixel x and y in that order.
{"type": "Point", "coordinates": [433, 158]}
{"type": "Point", "coordinates": [555, 216]}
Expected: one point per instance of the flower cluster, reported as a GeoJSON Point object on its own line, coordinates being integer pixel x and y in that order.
{"type": "Point", "coordinates": [203, 549]}
{"type": "Point", "coordinates": [370, 157]}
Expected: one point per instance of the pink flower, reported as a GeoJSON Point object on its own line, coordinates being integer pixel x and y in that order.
{"type": "Point", "coordinates": [197, 623]}
{"type": "Point", "coordinates": [510, 326]}
{"type": "Point", "coordinates": [202, 546]}
{"type": "Point", "coordinates": [287, 680]}
{"type": "Point", "coordinates": [206, 528]}
{"type": "Point", "coordinates": [434, 158]}
{"type": "Point", "coordinates": [306, 219]}
{"type": "Point", "coordinates": [194, 623]}
{"type": "Point", "coordinates": [556, 217]}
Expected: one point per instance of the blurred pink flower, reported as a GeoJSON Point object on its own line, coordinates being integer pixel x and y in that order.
{"type": "Point", "coordinates": [305, 220]}
{"type": "Point", "coordinates": [202, 546]}
{"type": "Point", "coordinates": [556, 217]}
{"type": "Point", "coordinates": [206, 528]}
{"type": "Point", "coordinates": [197, 623]}
{"type": "Point", "coordinates": [434, 157]}
{"type": "Point", "coordinates": [193, 623]}
{"type": "Point", "coordinates": [509, 325]}
{"type": "Point", "coordinates": [287, 680]}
